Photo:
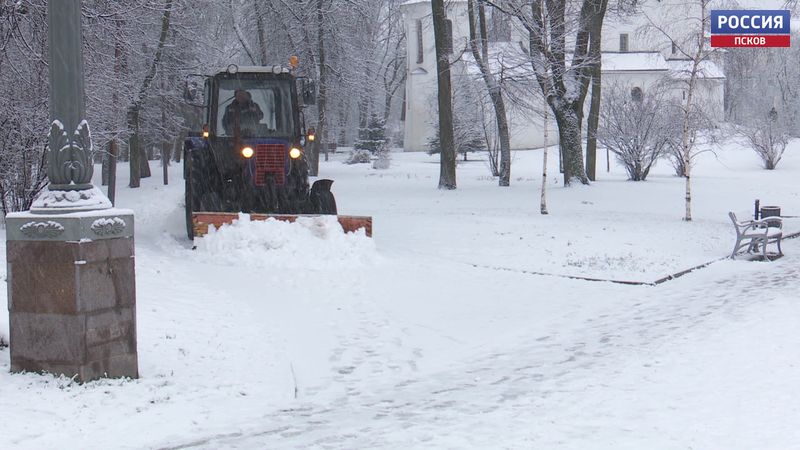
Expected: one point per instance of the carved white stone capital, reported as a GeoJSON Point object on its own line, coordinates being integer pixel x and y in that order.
{"type": "Point", "coordinates": [85, 200]}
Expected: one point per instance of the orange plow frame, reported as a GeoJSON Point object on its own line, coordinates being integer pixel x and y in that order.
{"type": "Point", "coordinates": [202, 220]}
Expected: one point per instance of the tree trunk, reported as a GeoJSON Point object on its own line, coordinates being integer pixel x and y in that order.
{"type": "Point", "coordinates": [262, 37]}
{"type": "Point", "coordinates": [322, 101]}
{"type": "Point", "coordinates": [543, 199]}
{"type": "Point", "coordinates": [595, 35]}
{"type": "Point", "coordinates": [447, 161]}
{"type": "Point", "coordinates": [112, 170]}
{"type": "Point", "coordinates": [144, 162]}
{"type": "Point", "coordinates": [104, 170]}
{"type": "Point", "coordinates": [495, 91]}
{"type": "Point", "coordinates": [134, 152]}
{"type": "Point", "coordinates": [687, 112]}
{"type": "Point", "coordinates": [177, 148]}
{"type": "Point", "coordinates": [593, 123]}
{"type": "Point", "coordinates": [165, 150]}
{"type": "Point", "coordinates": [569, 133]}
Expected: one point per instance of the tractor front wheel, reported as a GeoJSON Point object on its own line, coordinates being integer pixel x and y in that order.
{"type": "Point", "coordinates": [326, 202]}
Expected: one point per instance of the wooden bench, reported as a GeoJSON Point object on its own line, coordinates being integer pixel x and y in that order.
{"type": "Point", "coordinates": [752, 234]}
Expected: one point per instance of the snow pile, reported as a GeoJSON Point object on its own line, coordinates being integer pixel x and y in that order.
{"type": "Point", "coordinates": [308, 243]}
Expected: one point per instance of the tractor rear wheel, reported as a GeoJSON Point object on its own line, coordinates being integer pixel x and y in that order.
{"type": "Point", "coordinates": [197, 189]}
{"type": "Point", "coordinates": [189, 197]}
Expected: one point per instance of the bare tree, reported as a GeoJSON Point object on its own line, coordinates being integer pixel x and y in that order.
{"type": "Point", "coordinates": [23, 111]}
{"type": "Point", "coordinates": [479, 44]}
{"type": "Point", "coordinates": [135, 108]}
{"type": "Point", "coordinates": [694, 47]}
{"type": "Point", "coordinates": [549, 24]}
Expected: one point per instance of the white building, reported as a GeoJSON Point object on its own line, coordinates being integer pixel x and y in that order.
{"type": "Point", "coordinates": [632, 57]}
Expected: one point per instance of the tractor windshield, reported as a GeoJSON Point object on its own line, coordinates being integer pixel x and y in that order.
{"type": "Point", "coordinates": [254, 108]}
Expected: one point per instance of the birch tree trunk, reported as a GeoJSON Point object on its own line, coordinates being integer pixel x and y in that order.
{"type": "Point", "coordinates": [543, 199]}
{"type": "Point", "coordinates": [687, 110]}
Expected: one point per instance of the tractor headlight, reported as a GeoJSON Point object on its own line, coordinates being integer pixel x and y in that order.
{"type": "Point", "coordinates": [248, 152]}
{"type": "Point", "coordinates": [295, 153]}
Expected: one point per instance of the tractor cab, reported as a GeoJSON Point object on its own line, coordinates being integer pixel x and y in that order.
{"type": "Point", "coordinates": [250, 154]}
{"type": "Point", "coordinates": [255, 103]}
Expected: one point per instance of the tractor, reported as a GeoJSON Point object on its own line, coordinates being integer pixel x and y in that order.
{"type": "Point", "coordinates": [249, 156]}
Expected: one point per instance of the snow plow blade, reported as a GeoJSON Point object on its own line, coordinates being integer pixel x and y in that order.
{"type": "Point", "coordinates": [202, 220]}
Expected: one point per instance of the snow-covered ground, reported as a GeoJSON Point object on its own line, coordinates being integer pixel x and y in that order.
{"type": "Point", "coordinates": [442, 332]}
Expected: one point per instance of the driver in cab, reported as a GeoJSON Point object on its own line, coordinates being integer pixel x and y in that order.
{"type": "Point", "coordinates": [243, 114]}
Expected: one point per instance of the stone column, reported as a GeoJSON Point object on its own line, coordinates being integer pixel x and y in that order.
{"type": "Point", "coordinates": [71, 280]}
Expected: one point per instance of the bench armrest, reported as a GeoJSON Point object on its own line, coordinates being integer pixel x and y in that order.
{"type": "Point", "coordinates": [768, 222]}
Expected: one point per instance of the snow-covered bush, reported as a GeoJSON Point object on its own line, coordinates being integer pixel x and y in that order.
{"type": "Point", "coordinates": [359, 157]}
{"type": "Point", "coordinates": [631, 127]}
{"type": "Point", "coordinates": [768, 138]}
{"type": "Point", "coordinates": [384, 160]}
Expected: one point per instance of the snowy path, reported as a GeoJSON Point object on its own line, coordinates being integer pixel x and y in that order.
{"type": "Point", "coordinates": [632, 379]}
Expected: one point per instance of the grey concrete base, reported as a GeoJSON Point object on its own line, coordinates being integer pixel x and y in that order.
{"type": "Point", "coordinates": [72, 307]}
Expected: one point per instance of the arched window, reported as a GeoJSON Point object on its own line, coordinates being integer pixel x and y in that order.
{"type": "Point", "coordinates": [637, 95]}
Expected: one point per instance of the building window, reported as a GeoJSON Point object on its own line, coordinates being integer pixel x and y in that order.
{"type": "Point", "coordinates": [623, 42]}
{"type": "Point", "coordinates": [448, 33]}
{"type": "Point", "coordinates": [637, 95]}
{"type": "Point", "coordinates": [420, 47]}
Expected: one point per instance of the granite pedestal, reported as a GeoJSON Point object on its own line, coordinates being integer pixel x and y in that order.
{"type": "Point", "coordinates": [72, 294]}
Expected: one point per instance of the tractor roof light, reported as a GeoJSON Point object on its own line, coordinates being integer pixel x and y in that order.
{"type": "Point", "coordinates": [295, 153]}
{"type": "Point", "coordinates": [248, 152]}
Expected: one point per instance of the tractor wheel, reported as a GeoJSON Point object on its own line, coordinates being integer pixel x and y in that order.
{"type": "Point", "coordinates": [197, 189]}
{"type": "Point", "coordinates": [189, 197]}
{"type": "Point", "coordinates": [321, 197]}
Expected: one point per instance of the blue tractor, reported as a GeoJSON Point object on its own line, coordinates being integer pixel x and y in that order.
{"type": "Point", "coordinates": [249, 156]}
